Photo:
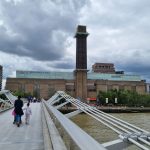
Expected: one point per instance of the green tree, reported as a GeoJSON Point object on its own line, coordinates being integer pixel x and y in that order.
{"type": "Point", "coordinates": [125, 97]}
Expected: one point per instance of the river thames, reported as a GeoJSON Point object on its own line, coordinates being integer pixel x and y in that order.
{"type": "Point", "coordinates": [103, 134]}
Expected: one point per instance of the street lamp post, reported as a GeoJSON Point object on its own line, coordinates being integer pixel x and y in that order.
{"type": "Point", "coordinates": [106, 100]}
{"type": "Point", "coordinates": [116, 100]}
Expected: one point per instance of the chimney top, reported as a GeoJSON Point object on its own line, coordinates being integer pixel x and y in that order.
{"type": "Point", "coordinates": [81, 31]}
{"type": "Point", "coordinates": [81, 28]}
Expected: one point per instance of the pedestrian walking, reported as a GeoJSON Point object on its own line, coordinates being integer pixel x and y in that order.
{"type": "Point", "coordinates": [14, 114]}
{"type": "Point", "coordinates": [28, 112]}
{"type": "Point", "coordinates": [18, 110]}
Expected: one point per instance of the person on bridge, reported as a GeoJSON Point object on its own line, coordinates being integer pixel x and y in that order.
{"type": "Point", "coordinates": [28, 112]}
{"type": "Point", "coordinates": [18, 110]}
{"type": "Point", "coordinates": [14, 114]}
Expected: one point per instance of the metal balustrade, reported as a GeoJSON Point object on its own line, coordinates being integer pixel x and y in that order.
{"type": "Point", "coordinates": [55, 141]}
{"type": "Point", "coordinates": [127, 133]}
{"type": "Point", "coordinates": [82, 140]}
{"type": "Point", "coordinates": [8, 101]}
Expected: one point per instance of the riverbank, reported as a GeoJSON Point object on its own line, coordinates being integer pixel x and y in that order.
{"type": "Point", "coordinates": [113, 109]}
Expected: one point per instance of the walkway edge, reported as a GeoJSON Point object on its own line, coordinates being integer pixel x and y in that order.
{"type": "Point", "coordinates": [47, 142]}
{"type": "Point", "coordinates": [56, 140]}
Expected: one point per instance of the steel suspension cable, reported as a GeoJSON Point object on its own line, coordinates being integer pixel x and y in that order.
{"type": "Point", "coordinates": [78, 103]}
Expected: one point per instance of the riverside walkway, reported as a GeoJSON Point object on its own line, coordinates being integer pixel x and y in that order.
{"type": "Point", "coordinates": [49, 129]}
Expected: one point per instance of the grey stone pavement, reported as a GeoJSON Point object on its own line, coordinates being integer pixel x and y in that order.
{"type": "Point", "coordinates": [25, 137]}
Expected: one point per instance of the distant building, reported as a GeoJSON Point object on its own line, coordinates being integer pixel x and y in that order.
{"type": "Point", "coordinates": [44, 84]}
{"type": "Point", "coordinates": [80, 83]}
{"type": "Point", "coordinates": [119, 72]}
{"type": "Point", "coordinates": [103, 68]}
{"type": "Point", "coordinates": [1, 76]}
{"type": "Point", "coordinates": [148, 88]}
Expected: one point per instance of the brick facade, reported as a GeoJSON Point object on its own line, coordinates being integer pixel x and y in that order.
{"type": "Point", "coordinates": [103, 68]}
{"type": "Point", "coordinates": [46, 87]}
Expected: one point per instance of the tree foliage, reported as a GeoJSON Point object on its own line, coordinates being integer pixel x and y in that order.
{"type": "Point", "coordinates": [21, 93]}
{"type": "Point", "coordinates": [125, 98]}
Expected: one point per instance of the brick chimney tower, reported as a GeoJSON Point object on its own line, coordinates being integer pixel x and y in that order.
{"type": "Point", "coordinates": [81, 63]}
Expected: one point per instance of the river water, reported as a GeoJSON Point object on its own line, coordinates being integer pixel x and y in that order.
{"type": "Point", "coordinates": [103, 134]}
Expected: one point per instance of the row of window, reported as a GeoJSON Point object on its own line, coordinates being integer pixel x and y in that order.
{"type": "Point", "coordinates": [89, 88]}
{"type": "Point", "coordinates": [107, 67]}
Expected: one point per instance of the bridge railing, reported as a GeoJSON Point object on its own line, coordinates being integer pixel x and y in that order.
{"type": "Point", "coordinates": [128, 133]}
{"type": "Point", "coordinates": [52, 139]}
{"type": "Point", "coordinates": [6, 100]}
{"type": "Point", "coordinates": [75, 135]}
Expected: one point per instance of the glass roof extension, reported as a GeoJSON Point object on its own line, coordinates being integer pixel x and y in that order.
{"type": "Point", "coordinates": [114, 77]}
{"type": "Point", "coordinates": [70, 76]}
{"type": "Point", "coordinates": [45, 75]}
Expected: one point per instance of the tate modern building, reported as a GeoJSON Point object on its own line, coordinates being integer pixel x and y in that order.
{"type": "Point", "coordinates": [79, 83]}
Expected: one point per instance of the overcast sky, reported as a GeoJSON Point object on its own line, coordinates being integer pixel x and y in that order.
{"type": "Point", "coordinates": [38, 34]}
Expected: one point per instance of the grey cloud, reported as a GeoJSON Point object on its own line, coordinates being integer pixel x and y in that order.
{"type": "Point", "coordinates": [136, 63]}
{"type": "Point", "coordinates": [136, 68]}
{"type": "Point", "coordinates": [65, 65]}
{"type": "Point", "coordinates": [123, 14]}
{"type": "Point", "coordinates": [38, 29]}
{"type": "Point", "coordinates": [120, 30]}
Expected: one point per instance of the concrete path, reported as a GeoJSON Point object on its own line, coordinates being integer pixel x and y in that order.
{"type": "Point", "coordinates": [25, 137]}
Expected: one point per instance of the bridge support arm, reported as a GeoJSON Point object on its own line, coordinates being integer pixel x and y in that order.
{"type": "Point", "coordinates": [116, 144]}
{"type": "Point", "coordinates": [69, 115]}
{"type": "Point", "coordinates": [61, 105]}
{"type": "Point", "coordinates": [57, 100]}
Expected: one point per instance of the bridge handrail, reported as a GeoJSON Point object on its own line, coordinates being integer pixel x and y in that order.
{"type": "Point", "coordinates": [6, 104]}
{"type": "Point", "coordinates": [119, 127]}
{"type": "Point", "coordinates": [112, 118]}
{"type": "Point", "coordinates": [3, 110]}
{"type": "Point", "coordinates": [81, 138]}
{"type": "Point", "coordinates": [95, 113]}
{"type": "Point", "coordinates": [53, 141]}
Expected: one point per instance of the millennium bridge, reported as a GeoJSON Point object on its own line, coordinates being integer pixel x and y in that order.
{"type": "Point", "coordinates": [49, 129]}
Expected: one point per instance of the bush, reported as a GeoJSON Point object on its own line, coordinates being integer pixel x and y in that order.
{"type": "Point", "coordinates": [124, 97]}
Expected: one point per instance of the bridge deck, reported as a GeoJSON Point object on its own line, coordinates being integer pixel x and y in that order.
{"type": "Point", "coordinates": [24, 137]}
